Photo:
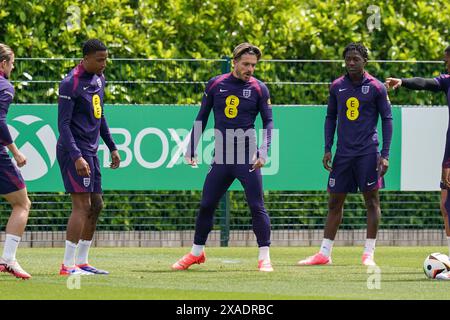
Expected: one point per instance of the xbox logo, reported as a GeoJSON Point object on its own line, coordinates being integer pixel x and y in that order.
{"type": "Point", "coordinates": [37, 141]}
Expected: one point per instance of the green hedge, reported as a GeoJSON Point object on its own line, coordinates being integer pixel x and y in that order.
{"type": "Point", "coordinates": [169, 210]}
{"type": "Point", "coordinates": [287, 29]}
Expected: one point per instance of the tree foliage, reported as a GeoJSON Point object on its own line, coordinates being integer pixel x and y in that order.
{"type": "Point", "coordinates": [288, 29]}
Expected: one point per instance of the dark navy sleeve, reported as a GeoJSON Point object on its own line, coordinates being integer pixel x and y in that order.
{"type": "Point", "coordinates": [417, 83]}
{"type": "Point", "coordinates": [6, 97]}
{"type": "Point", "coordinates": [446, 161]}
{"type": "Point", "coordinates": [66, 104]}
{"type": "Point", "coordinates": [265, 109]}
{"type": "Point", "coordinates": [330, 120]}
{"type": "Point", "coordinates": [385, 111]}
{"type": "Point", "coordinates": [104, 128]}
{"type": "Point", "coordinates": [201, 120]}
{"type": "Point", "coordinates": [106, 134]}
{"type": "Point", "coordinates": [444, 83]}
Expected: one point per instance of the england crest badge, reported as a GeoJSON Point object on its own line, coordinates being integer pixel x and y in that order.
{"type": "Point", "coordinates": [247, 93]}
{"type": "Point", "coordinates": [332, 182]}
{"type": "Point", "coordinates": [86, 182]}
{"type": "Point", "coordinates": [365, 89]}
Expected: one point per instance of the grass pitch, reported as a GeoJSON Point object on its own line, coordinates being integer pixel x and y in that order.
{"type": "Point", "coordinates": [228, 274]}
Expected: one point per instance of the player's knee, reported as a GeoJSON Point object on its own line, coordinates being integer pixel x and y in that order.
{"type": "Point", "coordinates": [27, 205]}
{"type": "Point", "coordinates": [335, 206]}
{"type": "Point", "coordinates": [206, 207]}
{"type": "Point", "coordinates": [96, 207]}
{"type": "Point", "coordinates": [23, 204]}
{"type": "Point", "coordinates": [443, 206]}
{"type": "Point", "coordinates": [82, 207]}
{"type": "Point", "coordinates": [257, 209]}
{"type": "Point", "coordinates": [444, 210]}
{"type": "Point", "coordinates": [372, 204]}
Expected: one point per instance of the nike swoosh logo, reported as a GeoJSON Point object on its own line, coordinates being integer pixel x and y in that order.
{"type": "Point", "coordinates": [370, 183]}
{"type": "Point", "coordinates": [221, 90]}
{"type": "Point", "coordinates": [84, 88]}
{"type": "Point", "coordinates": [340, 90]}
{"type": "Point", "coordinates": [251, 170]}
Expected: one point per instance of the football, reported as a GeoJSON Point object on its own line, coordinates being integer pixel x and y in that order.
{"type": "Point", "coordinates": [436, 263]}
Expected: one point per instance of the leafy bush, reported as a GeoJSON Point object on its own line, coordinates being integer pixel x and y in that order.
{"type": "Point", "coordinates": [210, 29]}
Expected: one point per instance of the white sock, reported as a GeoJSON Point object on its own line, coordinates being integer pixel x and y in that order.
{"type": "Point", "coordinates": [369, 247]}
{"type": "Point", "coordinates": [263, 253]}
{"type": "Point", "coordinates": [10, 248]}
{"type": "Point", "coordinates": [448, 241]}
{"type": "Point", "coordinates": [83, 251]}
{"type": "Point", "coordinates": [197, 250]}
{"type": "Point", "coordinates": [326, 247]}
{"type": "Point", "coordinates": [69, 254]}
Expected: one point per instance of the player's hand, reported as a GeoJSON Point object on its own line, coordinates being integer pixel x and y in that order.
{"type": "Point", "coordinates": [82, 167]}
{"type": "Point", "coordinates": [20, 158]}
{"type": "Point", "coordinates": [259, 163]}
{"type": "Point", "coordinates": [115, 160]}
{"type": "Point", "coordinates": [393, 83]}
{"type": "Point", "coordinates": [192, 161]}
{"type": "Point", "coordinates": [446, 177]}
{"type": "Point", "coordinates": [383, 165]}
{"type": "Point", "coordinates": [327, 161]}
